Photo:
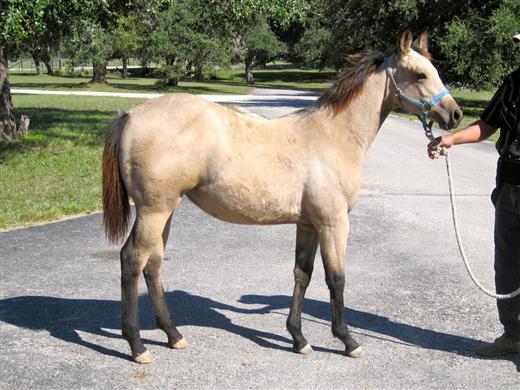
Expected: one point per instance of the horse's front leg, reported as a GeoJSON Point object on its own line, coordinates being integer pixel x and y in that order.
{"type": "Point", "coordinates": [306, 245]}
{"type": "Point", "coordinates": [333, 245]}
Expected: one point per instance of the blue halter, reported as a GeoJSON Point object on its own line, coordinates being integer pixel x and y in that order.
{"type": "Point", "coordinates": [425, 107]}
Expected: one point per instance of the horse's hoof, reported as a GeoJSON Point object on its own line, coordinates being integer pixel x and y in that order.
{"type": "Point", "coordinates": [355, 353]}
{"type": "Point", "coordinates": [181, 344]}
{"type": "Point", "coordinates": [144, 358]}
{"type": "Point", "coordinates": [306, 350]}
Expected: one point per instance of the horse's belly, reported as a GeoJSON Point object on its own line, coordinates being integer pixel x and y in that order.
{"type": "Point", "coordinates": [247, 205]}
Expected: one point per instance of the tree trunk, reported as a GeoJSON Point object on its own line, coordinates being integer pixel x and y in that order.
{"type": "Point", "coordinates": [48, 65]}
{"type": "Point", "coordinates": [47, 60]}
{"type": "Point", "coordinates": [189, 65]}
{"type": "Point", "coordinates": [7, 121]}
{"type": "Point", "coordinates": [8, 128]}
{"type": "Point", "coordinates": [99, 73]}
{"type": "Point", "coordinates": [35, 54]}
{"type": "Point", "coordinates": [172, 81]}
{"type": "Point", "coordinates": [125, 67]}
{"type": "Point", "coordinates": [249, 72]}
{"type": "Point", "coordinates": [199, 72]}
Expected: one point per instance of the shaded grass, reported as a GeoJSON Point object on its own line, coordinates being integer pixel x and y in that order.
{"type": "Point", "coordinates": [284, 77]}
{"type": "Point", "coordinates": [56, 169]}
{"type": "Point", "coordinates": [231, 81]}
{"type": "Point", "coordinates": [118, 84]}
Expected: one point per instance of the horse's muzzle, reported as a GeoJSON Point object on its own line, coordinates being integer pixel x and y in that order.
{"type": "Point", "coordinates": [448, 115]}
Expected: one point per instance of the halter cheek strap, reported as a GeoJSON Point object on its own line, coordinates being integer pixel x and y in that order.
{"type": "Point", "coordinates": [425, 107]}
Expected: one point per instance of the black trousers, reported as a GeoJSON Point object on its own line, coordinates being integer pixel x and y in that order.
{"type": "Point", "coordinates": [506, 198]}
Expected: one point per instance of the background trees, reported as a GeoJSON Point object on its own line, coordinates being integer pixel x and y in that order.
{"type": "Point", "coordinates": [20, 22]}
{"type": "Point", "coordinates": [258, 45]}
{"type": "Point", "coordinates": [478, 49]}
{"type": "Point", "coordinates": [472, 38]}
{"type": "Point", "coordinates": [190, 35]}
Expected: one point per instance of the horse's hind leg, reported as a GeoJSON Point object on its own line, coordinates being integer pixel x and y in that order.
{"type": "Point", "coordinates": [306, 245]}
{"type": "Point", "coordinates": [156, 292]}
{"type": "Point", "coordinates": [333, 244]}
{"type": "Point", "coordinates": [145, 242]}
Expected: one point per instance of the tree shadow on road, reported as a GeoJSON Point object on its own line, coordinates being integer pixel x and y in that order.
{"type": "Point", "coordinates": [63, 318]}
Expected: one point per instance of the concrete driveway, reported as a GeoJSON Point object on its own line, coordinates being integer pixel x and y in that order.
{"type": "Point", "coordinates": [410, 302]}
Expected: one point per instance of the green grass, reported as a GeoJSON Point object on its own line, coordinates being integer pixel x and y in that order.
{"type": "Point", "coordinates": [282, 77]}
{"type": "Point", "coordinates": [231, 81]}
{"type": "Point", "coordinates": [55, 170]}
{"type": "Point", "coordinates": [117, 84]}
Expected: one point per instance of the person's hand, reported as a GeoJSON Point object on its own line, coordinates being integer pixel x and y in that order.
{"type": "Point", "coordinates": [439, 146]}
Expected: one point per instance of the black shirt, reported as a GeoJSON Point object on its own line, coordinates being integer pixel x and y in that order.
{"type": "Point", "coordinates": [503, 111]}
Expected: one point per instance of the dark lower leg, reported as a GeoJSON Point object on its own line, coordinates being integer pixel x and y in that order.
{"type": "Point", "coordinates": [333, 243]}
{"type": "Point", "coordinates": [294, 323]}
{"type": "Point", "coordinates": [130, 309]}
{"type": "Point", "coordinates": [156, 292]}
{"type": "Point", "coordinates": [336, 284]}
{"type": "Point", "coordinates": [306, 245]}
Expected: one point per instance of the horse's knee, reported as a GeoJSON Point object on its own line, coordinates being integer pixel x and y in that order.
{"type": "Point", "coordinates": [302, 277]}
{"type": "Point", "coordinates": [335, 282]}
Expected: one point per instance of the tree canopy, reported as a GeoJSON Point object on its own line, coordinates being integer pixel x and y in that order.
{"type": "Point", "coordinates": [471, 39]}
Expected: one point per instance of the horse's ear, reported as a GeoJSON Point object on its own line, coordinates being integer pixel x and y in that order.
{"type": "Point", "coordinates": [421, 43]}
{"type": "Point", "coordinates": [405, 42]}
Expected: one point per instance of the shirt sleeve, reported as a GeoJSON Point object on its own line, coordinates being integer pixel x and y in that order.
{"type": "Point", "coordinates": [491, 114]}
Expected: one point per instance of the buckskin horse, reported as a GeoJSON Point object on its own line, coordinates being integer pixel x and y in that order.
{"type": "Point", "coordinates": [303, 169]}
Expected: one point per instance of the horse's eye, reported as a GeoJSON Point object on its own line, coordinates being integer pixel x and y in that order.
{"type": "Point", "coordinates": [420, 76]}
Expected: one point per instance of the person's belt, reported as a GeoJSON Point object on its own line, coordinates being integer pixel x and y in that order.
{"type": "Point", "coordinates": [508, 171]}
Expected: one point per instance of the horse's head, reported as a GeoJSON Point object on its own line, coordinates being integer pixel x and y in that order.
{"type": "Point", "coordinates": [417, 85]}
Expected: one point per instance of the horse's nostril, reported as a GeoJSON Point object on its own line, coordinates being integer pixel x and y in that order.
{"type": "Point", "coordinates": [457, 115]}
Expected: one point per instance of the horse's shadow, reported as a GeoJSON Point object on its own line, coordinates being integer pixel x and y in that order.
{"type": "Point", "coordinates": [63, 318]}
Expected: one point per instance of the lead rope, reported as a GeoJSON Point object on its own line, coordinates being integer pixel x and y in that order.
{"type": "Point", "coordinates": [461, 247]}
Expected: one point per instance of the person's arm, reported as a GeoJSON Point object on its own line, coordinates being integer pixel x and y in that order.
{"type": "Point", "coordinates": [475, 132]}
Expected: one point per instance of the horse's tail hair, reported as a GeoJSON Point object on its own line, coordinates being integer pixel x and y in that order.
{"type": "Point", "coordinates": [116, 206]}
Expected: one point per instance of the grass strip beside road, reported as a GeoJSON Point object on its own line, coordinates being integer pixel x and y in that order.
{"type": "Point", "coordinates": [55, 170]}
{"type": "Point", "coordinates": [230, 82]}
{"type": "Point", "coordinates": [118, 84]}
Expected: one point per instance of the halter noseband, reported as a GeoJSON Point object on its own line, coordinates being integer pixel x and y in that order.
{"type": "Point", "coordinates": [425, 107]}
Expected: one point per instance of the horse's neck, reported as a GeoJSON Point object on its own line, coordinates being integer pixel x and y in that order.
{"type": "Point", "coordinates": [362, 119]}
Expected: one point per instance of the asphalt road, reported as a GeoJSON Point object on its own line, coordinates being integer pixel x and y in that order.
{"type": "Point", "coordinates": [409, 300]}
